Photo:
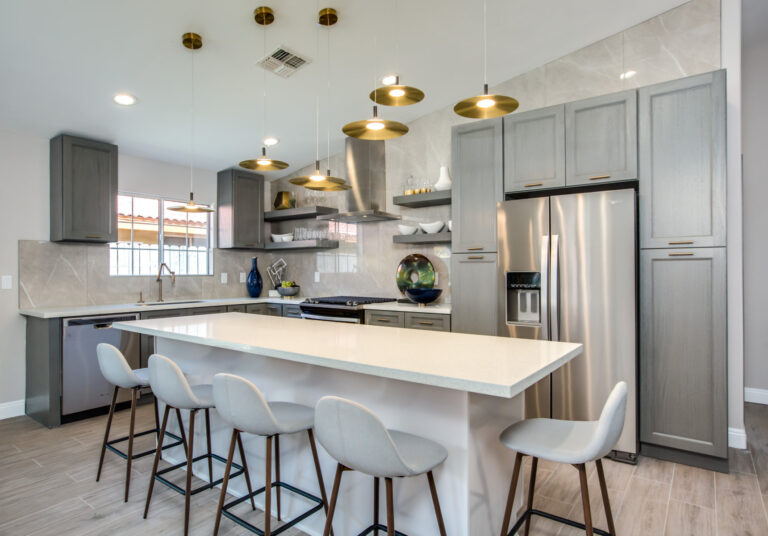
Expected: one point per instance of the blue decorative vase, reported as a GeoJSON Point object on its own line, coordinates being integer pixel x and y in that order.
{"type": "Point", "coordinates": [254, 282]}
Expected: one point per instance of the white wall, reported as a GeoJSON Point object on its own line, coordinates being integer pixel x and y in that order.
{"type": "Point", "coordinates": [24, 191]}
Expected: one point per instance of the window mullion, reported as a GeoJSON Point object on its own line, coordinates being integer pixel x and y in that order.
{"type": "Point", "coordinates": [160, 233]}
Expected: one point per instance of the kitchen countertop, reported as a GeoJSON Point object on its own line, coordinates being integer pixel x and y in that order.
{"type": "Point", "coordinates": [440, 308]}
{"type": "Point", "coordinates": [93, 310]}
{"type": "Point", "coordinates": [496, 366]}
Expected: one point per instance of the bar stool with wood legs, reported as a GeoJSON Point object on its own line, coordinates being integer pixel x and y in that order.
{"type": "Point", "coordinates": [116, 370]}
{"type": "Point", "coordinates": [240, 403]}
{"type": "Point", "coordinates": [573, 442]}
{"type": "Point", "coordinates": [172, 388]}
{"type": "Point", "coordinates": [359, 441]}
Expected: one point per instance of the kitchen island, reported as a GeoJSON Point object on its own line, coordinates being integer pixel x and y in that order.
{"type": "Point", "coordinates": [460, 390]}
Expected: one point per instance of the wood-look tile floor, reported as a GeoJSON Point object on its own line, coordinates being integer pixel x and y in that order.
{"type": "Point", "coordinates": [47, 487]}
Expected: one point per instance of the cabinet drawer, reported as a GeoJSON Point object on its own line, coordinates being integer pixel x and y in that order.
{"type": "Point", "coordinates": [236, 308]}
{"type": "Point", "coordinates": [292, 311]}
{"type": "Point", "coordinates": [270, 309]}
{"type": "Point", "coordinates": [391, 319]}
{"type": "Point", "coordinates": [430, 321]}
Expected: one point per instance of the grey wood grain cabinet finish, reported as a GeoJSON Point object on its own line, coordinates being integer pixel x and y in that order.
{"type": "Point", "coordinates": [428, 321]}
{"type": "Point", "coordinates": [477, 163]}
{"type": "Point", "coordinates": [534, 149]}
{"type": "Point", "coordinates": [391, 319]}
{"type": "Point", "coordinates": [601, 139]}
{"type": "Point", "coordinates": [240, 208]}
{"type": "Point", "coordinates": [270, 309]}
{"type": "Point", "coordinates": [682, 162]}
{"type": "Point", "coordinates": [683, 350]}
{"type": "Point", "coordinates": [83, 190]}
{"type": "Point", "coordinates": [474, 293]}
{"type": "Point", "coordinates": [291, 310]}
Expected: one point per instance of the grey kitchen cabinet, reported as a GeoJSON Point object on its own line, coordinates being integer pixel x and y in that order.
{"type": "Point", "coordinates": [240, 207]}
{"type": "Point", "coordinates": [534, 149]}
{"type": "Point", "coordinates": [240, 308]}
{"type": "Point", "coordinates": [601, 139]}
{"type": "Point", "coordinates": [271, 309]}
{"type": "Point", "coordinates": [83, 190]}
{"type": "Point", "coordinates": [477, 163]}
{"type": "Point", "coordinates": [683, 355]}
{"type": "Point", "coordinates": [392, 319]}
{"type": "Point", "coordinates": [474, 292]}
{"type": "Point", "coordinates": [428, 321]}
{"type": "Point", "coordinates": [291, 310]}
{"type": "Point", "coordinates": [682, 142]}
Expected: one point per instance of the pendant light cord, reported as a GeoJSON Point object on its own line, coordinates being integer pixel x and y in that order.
{"type": "Point", "coordinates": [264, 88]}
{"type": "Point", "coordinates": [485, 42]}
{"type": "Point", "coordinates": [192, 128]}
{"type": "Point", "coordinates": [328, 97]}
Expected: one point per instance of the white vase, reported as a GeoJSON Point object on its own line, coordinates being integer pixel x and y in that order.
{"type": "Point", "coordinates": [444, 181]}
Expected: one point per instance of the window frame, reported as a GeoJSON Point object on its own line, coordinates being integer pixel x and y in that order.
{"type": "Point", "coordinates": [161, 233]}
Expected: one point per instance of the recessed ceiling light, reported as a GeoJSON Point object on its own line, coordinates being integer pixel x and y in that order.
{"type": "Point", "coordinates": [627, 74]}
{"type": "Point", "coordinates": [269, 142]}
{"type": "Point", "coordinates": [124, 99]}
{"type": "Point", "coordinates": [389, 80]}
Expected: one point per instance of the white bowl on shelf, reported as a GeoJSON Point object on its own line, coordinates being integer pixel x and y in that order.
{"type": "Point", "coordinates": [288, 237]}
{"type": "Point", "coordinates": [432, 227]}
{"type": "Point", "coordinates": [406, 229]}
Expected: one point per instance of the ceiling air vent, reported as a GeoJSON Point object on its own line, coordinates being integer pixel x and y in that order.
{"type": "Point", "coordinates": [283, 62]}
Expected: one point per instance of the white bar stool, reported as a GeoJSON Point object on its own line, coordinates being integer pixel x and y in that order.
{"type": "Point", "coordinates": [240, 403]}
{"type": "Point", "coordinates": [359, 441]}
{"type": "Point", "coordinates": [171, 386]}
{"type": "Point", "coordinates": [573, 442]}
{"type": "Point", "coordinates": [116, 370]}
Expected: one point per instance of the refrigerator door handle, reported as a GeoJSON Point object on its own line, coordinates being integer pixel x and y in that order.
{"type": "Point", "coordinates": [544, 312]}
{"type": "Point", "coordinates": [554, 289]}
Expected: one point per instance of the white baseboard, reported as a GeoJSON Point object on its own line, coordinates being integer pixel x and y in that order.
{"type": "Point", "coordinates": [737, 438]}
{"type": "Point", "coordinates": [14, 408]}
{"type": "Point", "coordinates": [758, 396]}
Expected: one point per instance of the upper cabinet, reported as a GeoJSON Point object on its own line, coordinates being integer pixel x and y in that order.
{"type": "Point", "coordinates": [601, 139]}
{"type": "Point", "coordinates": [534, 149]}
{"type": "Point", "coordinates": [83, 190]}
{"type": "Point", "coordinates": [682, 162]}
{"type": "Point", "coordinates": [240, 208]}
{"type": "Point", "coordinates": [477, 184]}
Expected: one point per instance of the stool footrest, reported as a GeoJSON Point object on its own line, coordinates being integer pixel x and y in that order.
{"type": "Point", "coordinates": [379, 526]}
{"type": "Point", "coordinates": [243, 523]}
{"type": "Point", "coordinates": [209, 485]}
{"type": "Point", "coordinates": [553, 517]}
{"type": "Point", "coordinates": [124, 456]}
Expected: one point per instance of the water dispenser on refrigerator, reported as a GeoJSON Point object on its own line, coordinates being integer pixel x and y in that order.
{"type": "Point", "coordinates": [523, 297]}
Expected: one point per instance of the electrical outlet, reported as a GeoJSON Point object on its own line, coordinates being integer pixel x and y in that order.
{"type": "Point", "coordinates": [436, 279]}
{"type": "Point", "coordinates": [242, 277]}
{"type": "Point", "coordinates": [223, 278]}
{"type": "Point", "coordinates": [317, 277]}
{"type": "Point", "coordinates": [7, 282]}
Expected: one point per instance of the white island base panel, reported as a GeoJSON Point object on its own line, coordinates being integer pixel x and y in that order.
{"type": "Point", "coordinates": [472, 484]}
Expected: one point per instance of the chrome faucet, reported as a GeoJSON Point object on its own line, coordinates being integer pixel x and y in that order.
{"type": "Point", "coordinates": [160, 280]}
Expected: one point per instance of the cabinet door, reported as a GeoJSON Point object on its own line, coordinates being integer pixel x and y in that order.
{"type": "Point", "coordinates": [601, 139]}
{"type": "Point", "coordinates": [534, 149]}
{"type": "Point", "coordinates": [147, 342]}
{"type": "Point", "coordinates": [474, 293]}
{"type": "Point", "coordinates": [271, 309]}
{"type": "Point", "coordinates": [240, 204]}
{"type": "Point", "coordinates": [240, 308]}
{"type": "Point", "coordinates": [682, 162]}
{"type": "Point", "coordinates": [477, 184]}
{"type": "Point", "coordinates": [292, 311]}
{"type": "Point", "coordinates": [428, 321]}
{"type": "Point", "coordinates": [392, 319]}
{"type": "Point", "coordinates": [683, 350]}
{"type": "Point", "coordinates": [83, 190]}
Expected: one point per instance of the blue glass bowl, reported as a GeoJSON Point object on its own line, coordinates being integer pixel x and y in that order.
{"type": "Point", "coordinates": [423, 295]}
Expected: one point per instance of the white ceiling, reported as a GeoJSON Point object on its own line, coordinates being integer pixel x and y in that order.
{"type": "Point", "coordinates": [62, 62]}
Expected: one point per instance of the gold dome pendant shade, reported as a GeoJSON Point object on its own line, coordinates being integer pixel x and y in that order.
{"type": "Point", "coordinates": [264, 163]}
{"type": "Point", "coordinates": [397, 94]}
{"type": "Point", "coordinates": [320, 182]}
{"type": "Point", "coordinates": [191, 206]}
{"type": "Point", "coordinates": [486, 106]}
{"type": "Point", "coordinates": [375, 128]}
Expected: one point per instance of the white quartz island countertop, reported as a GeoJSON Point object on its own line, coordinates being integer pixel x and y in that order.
{"type": "Point", "coordinates": [496, 366]}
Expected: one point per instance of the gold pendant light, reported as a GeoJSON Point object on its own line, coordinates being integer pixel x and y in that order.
{"type": "Point", "coordinates": [193, 42]}
{"type": "Point", "coordinates": [486, 106]}
{"type": "Point", "coordinates": [264, 163]}
{"type": "Point", "coordinates": [375, 128]}
{"type": "Point", "coordinates": [397, 94]}
{"type": "Point", "coordinates": [319, 182]}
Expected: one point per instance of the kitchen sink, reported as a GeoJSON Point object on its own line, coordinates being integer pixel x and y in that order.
{"type": "Point", "coordinates": [154, 304]}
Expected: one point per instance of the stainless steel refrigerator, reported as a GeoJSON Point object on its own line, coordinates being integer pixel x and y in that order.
{"type": "Point", "coordinates": [568, 272]}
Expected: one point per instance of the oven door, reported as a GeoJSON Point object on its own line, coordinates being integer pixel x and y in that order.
{"type": "Point", "coordinates": [331, 313]}
{"type": "Point", "coordinates": [331, 318]}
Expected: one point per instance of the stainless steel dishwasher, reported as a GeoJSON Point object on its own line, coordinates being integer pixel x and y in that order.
{"type": "Point", "coordinates": [82, 385]}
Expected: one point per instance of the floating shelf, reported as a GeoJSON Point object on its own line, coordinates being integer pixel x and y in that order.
{"type": "Point", "coordinates": [301, 245]}
{"type": "Point", "coordinates": [429, 199]}
{"type": "Point", "coordinates": [423, 238]}
{"type": "Point", "coordinates": [300, 213]}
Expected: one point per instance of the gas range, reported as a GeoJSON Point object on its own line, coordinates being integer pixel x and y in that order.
{"type": "Point", "coordinates": [338, 308]}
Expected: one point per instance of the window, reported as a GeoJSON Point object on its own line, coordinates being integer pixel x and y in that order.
{"type": "Point", "coordinates": [145, 240]}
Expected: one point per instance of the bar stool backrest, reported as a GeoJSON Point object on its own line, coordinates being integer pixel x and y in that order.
{"type": "Point", "coordinates": [610, 424]}
{"type": "Point", "coordinates": [239, 402]}
{"type": "Point", "coordinates": [169, 383]}
{"type": "Point", "coordinates": [357, 438]}
{"type": "Point", "coordinates": [115, 368]}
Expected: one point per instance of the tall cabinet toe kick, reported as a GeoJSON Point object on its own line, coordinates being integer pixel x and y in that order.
{"type": "Point", "coordinates": [665, 145]}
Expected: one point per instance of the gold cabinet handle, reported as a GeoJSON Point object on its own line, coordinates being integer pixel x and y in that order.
{"type": "Point", "coordinates": [94, 236]}
{"type": "Point", "coordinates": [382, 320]}
{"type": "Point", "coordinates": [250, 245]}
{"type": "Point", "coordinates": [681, 243]}
{"type": "Point", "coordinates": [425, 323]}
{"type": "Point", "coordinates": [476, 257]}
{"type": "Point", "coordinates": [681, 254]}
{"type": "Point", "coordinates": [475, 249]}
{"type": "Point", "coordinates": [532, 184]}
{"type": "Point", "coordinates": [599, 177]}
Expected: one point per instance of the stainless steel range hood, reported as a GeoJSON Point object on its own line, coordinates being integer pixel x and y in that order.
{"type": "Point", "coordinates": [366, 174]}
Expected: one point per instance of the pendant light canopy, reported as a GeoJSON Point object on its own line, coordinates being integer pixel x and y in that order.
{"type": "Point", "coordinates": [193, 42]}
{"type": "Point", "coordinates": [375, 128]}
{"type": "Point", "coordinates": [397, 94]}
{"type": "Point", "coordinates": [486, 106]}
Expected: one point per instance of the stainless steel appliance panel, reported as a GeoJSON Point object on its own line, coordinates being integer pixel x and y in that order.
{"type": "Point", "coordinates": [593, 286]}
{"type": "Point", "coordinates": [83, 386]}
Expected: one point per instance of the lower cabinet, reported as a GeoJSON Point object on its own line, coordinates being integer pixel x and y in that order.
{"type": "Point", "coordinates": [683, 354]}
{"type": "Point", "coordinates": [399, 319]}
{"type": "Point", "coordinates": [271, 309]}
{"type": "Point", "coordinates": [474, 293]}
{"type": "Point", "coordinates": [236, 308]}
{"type": "Point", "coordinates": [147, 343]}
{"type": "Point", "coordinates": [291, 311]}
{"type": "Point", "coordinates": [393, 319]}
